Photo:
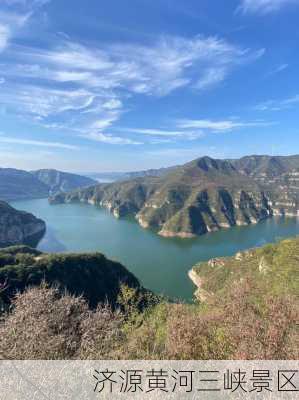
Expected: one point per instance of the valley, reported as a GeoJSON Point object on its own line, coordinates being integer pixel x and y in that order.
{"type": "Point", "coordinates": [161, 264]}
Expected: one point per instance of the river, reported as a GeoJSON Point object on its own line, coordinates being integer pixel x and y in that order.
{"type": "Point", "coordinates": [161, 264]}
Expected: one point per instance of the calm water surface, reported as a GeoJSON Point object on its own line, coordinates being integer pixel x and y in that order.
{"type": "Point", "coordinates": [160, 263]}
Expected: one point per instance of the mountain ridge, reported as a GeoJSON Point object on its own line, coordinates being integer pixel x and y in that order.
{"type": "Point", "coordinates": [203, 195]}
{"type": "Point", "coordinates": [17, 184]}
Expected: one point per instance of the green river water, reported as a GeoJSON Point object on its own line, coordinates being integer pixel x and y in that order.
{"type": "Point", "coordinates": [161, 264]}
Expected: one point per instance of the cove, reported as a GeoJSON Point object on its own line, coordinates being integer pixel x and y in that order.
{"type": "Point", "coordinates": [161, 264]}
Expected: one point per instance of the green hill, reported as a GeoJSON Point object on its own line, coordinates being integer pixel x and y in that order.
{"type": "Point", "coordinates": [271, 270]}
{"type": "Point", "coordinates": [202, 196]}
{"type": "Point", "coordinates": [92, 275]}
{"type": "Point", "coordinates": [19, 227]}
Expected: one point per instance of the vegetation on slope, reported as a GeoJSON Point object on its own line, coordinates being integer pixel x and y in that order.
{"type": "Point", "coordinates": [92, 275]}
{"type": "Point", "coordinates": [271, 270]}
{"type": "Point", "coordinates": [19, 227]}
{"type": "Point", "coordinates": [203, 195]}
{"type": "Point", "coordinates": [251, 314]}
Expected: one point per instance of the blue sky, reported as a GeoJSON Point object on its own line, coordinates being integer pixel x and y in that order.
{"type": "Point", "coordinates": [124, 85]}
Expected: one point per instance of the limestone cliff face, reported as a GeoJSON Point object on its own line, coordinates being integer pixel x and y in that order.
{"type": "Point", "coordinates": [19, 227]}
{"type": "Point", "coordinates": [202, 196]}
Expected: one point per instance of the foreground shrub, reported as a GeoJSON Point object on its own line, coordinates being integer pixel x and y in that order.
{"type": "Point", "coordinates": [195, 334]}
{"type": "Point", "coordinates": [43, 324]}
{"type": "Point", "coordinates": [102, 334]}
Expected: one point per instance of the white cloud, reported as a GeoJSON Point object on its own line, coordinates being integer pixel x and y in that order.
{"type": "Point", "coordinates": [278, 105]}
{"type": "Point", "coordinates": [291, 100]}
{"type": "Point", "coordinates": [26, 142]}
{"type": "Point", "coordinates": [84, 87]}
{"type": "Point", "coordinates": [14, 16]}
{"type": "Point", "coordinates": [156, 69]}
{"type": "Point", "coordinates": [4, 36]}
{"type": "Point", "coordinates": [264, 6]}
{"type": "Point", "coordinates": [188, 135]}
{"type": "Point", "coordinates": [112, 104]}
{"type": "Point", "coordinates": [10, 23]}
{"type": "Point", "coordinates": [43, 102]}
{"type": "Point", "coordinates": [110, 139]}
{"type": "Point", "coordinates": [211, 77]}
{"type": "Point", "coordinates": [106, 122]}
{"type": "Point", "coordinates": [278, 69]}
{"type": "Point", "coordinates": [218, 126]}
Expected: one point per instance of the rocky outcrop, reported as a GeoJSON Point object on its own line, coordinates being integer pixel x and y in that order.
{"type": "Point", "coordinates": [19, 227]}
{"type": "Point", "coordinates": [202, 196]}
{"type": "Point", "coordinates": [267, 270]}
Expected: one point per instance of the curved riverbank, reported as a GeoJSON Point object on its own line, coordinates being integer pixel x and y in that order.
{"type": "Point", "coordinates": [161, 264]}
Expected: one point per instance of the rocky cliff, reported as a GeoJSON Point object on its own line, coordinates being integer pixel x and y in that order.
{"type": "Point", "coordinates": [19, 227]}
{"type": "Point", "coordinates": [202, 196]}
{"type": "Point", "coordinates": [270, 270]}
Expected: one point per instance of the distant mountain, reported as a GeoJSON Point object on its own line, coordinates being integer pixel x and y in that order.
{"type": "Point", "coordinates": [203, 195]}
{"type": "Point", "coordinates": [121, 176]}
{"type": "Point", "coordinates": [58, 181]}
{"type": "Point", "coordinates": [266, 167]}
{"type": "Point", "coordinates": [17, 184]}
{"type": "Point", "coordinates": [19, 227]}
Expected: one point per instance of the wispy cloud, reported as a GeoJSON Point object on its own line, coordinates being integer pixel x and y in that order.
{"type": "Point", "coordinates": [4, 36]}
{"type": "Point", "coordinates": [264, 6]}
{"type": "Point", "coordinates": [38, 143]}
{"type": "Point", "coordinates": [110, 139]}
{"type": "Point", "coordinates": [13, 17]}
{"type": "Point", "coordinates": [156, 69]}
{"type": "Point", "coordinates": [278, 105]}
{"type": "Point", "coordinates": [219, 126]}
{"type": "Point", "coordinates": [86, 87]}
{"type": "Point", "coordinates": [278, 69]}
{"type": "Point", "coordinates": [188, 135]}
{"type": "Point", "coordinates": [10, 23]}
{"type": "Point", "coordinates": [211, 77]}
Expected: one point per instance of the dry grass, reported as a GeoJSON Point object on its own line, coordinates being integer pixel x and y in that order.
{"type": "Point", "coordinates": [43, 324]}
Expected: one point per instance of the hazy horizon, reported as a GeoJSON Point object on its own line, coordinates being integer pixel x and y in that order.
{"type": "Point", "coordinates": [90, 172]}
